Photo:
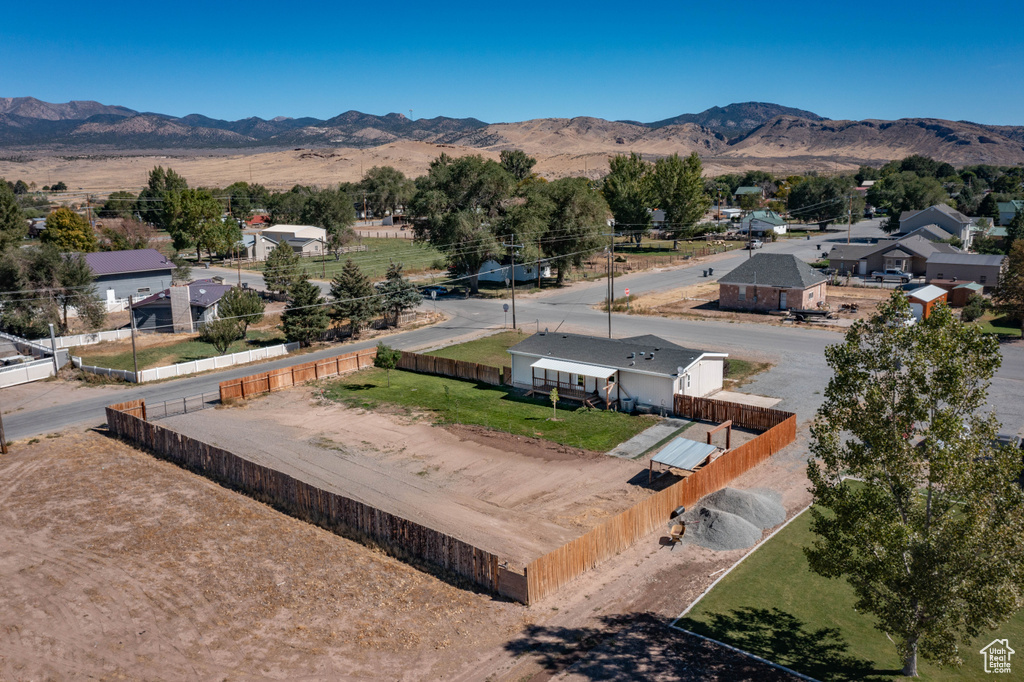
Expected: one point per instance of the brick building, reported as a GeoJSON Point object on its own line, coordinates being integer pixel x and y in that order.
{"type": "Point", "coordinates": [772, 281]}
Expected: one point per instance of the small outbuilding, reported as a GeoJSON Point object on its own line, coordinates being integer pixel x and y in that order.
{"type": "Point", "coordinates": [772, 281]}
{"type": "Point", "coordinates": [965, 267]}
{"type": "Point", "coordinates": [644, 372]}
{"type": "Point", "coordinates": [923, 299]}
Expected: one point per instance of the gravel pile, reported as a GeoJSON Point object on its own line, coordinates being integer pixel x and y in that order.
{"type": "Point", "coordinates": [757, 508]}
{"type": "Point", "coordinates": [732, 519]}
{"type": "Point", "coordinates": [719, 530]}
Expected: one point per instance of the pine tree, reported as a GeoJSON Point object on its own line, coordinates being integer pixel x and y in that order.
{"type": "Point", "coordinates": [283, 269]}
{"type": "Point", "coordinates": [243, 307]}
{"type": "Point", "coordinates": [305, 318]}
{"type": "Point", "coordinates": [12, 221]}
{"type": "Point", "coordinates": [354, 297]}
{"type": "Point", "coordinates": [399, 294]}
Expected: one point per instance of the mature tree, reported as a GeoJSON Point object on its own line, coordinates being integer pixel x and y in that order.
{"type": "Point", "coordinates": [398, 294]}
{"type": "Point", "coordinates": [286, 207]}
{"type": "Point", "coordinates": [929, 537]}
{"type": "Point", "coordinates": [193, 217]}
{"type": "Point", "coordinates": [59, 187]}
{"type": "Point", "coordinates": [458, 204]}
{"type": "Point", "coordinates": [220, 334]}
{"type": "Point", "coordinates": [820, 199]}
{"type": "Point", "coordinates": [866, 173]}
{"type": "Point", "coordinates": [69, 231]}
{"type": "Point", "coordinates": [305, 318]}
{"type": "Point", "coordinates": [906, 191]}
{"type": "Point", "coordinates": [1009, 292]}
{"type": "Point", "coordinates": [182, 270]}
{"type": "Point", "coordinates": [20, 187]}
{"type": "Point", "coordinates": [387, 359]}
{"type": "Point", "coordinates": [118, 205]}
{"type": "Point", "coordinates": [125, 234]}
{"type": "Point", "coordinates": [243, 199]}
{"type": "Point", "coordinates": [386, 189]}
{"type": "Point", "coordinates": [517, 163]}
{"type": "Point", "coordinates": [355, 299]}
{"type": "Point", "coordinates": [150, 203]}
{"type": "Point", "coordinates": [989, 207]}
{"type": "Point", "coordinates": [13, 226]}
{"type": "Point", "coordinates": [579, 216]}
{"type": "Point", "coordinates": [627, 189]}
{"type": "Point", "coordinates": [1015, 230]}
{"type": "Point", "coordinates": [679, 191]}
{"type": "Point", "coordinates": [333, 211]}
{"type": "Point", "coordinates": [243, 307]}
{"type": "Point", "coordinates": [60, 282]}
{"type": "Point", "coordinates": [283, 269]}
{"type": "Point", "coordinates": [75, 290]}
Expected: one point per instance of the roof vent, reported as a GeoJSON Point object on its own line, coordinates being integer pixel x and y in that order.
{"type": "Point", "coordinates": [564, 336]}
{"type": "Point", "coordinates": [641, 353]}
{"type": "Point", "coordinates": [632, 355]}
{"type": "Point", "coordinates": [657, 349]}
{"type": "Point", "coordinates": [651, 356]}
{"type": "Point", "coordinates": [631, 364]}
{"type": "Point", "coordinates": [202, 291]}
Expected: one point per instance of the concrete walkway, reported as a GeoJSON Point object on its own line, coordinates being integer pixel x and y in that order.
{"type": "Point", "coordinates": [747, 399]}
{"type": "Point", "coordinates": [647, 439]}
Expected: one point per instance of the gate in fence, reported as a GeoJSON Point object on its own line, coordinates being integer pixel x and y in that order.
{"type": "Point", "coordinates": [175, 406]}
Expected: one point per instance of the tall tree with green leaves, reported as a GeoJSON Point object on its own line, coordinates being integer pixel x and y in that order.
{"type": "Point", "coordinates": [193, 217]}
{"type": "Point", "coordinates": [628, 191]}
{"type": "Point", "coordinates": [286, 207]}
{"type": "Point", "coordinates": [118, 205]}
{"type": "Point", "coordinates": [819, 199]}
{"type": "Point", "coordinates": [332, 210]}
{"type": "Point", "coordinates": [283, 269]}
{"type": "Point", "coordinates": [386, 188]}
{"type": "Point", "coordinates": [579, 216]}
{"type": "Point", "coordinates": [74, 289]}
{"type": "Point", "coordinates": [69, 232]}
{"type": "Point", "coordinates": [1009, 293]}
{"type": "Point", "coordinates": [518, 164]}
{"type": "Point", "coordinates": [906, 191]}
{"type": "Point", "coordinates": [679, 191]}
{"type": "Point", "coordinates": [220, 334]}
{"type": "Point", "coordinates": [243, 306]}
{"type": "Point", "coordinates": [355, 299]}
{"type": "Point", "coordinates": [398, 294]}
{"type": "Point", "coordinates": [305, 317]}
{"type": "Point", "coordinates": [13, 226]}
{"type": "Point", "coordinates": [1015, 230]}
{"type": "Point", "coordinates": [929, 535]}
{"type": "Point", "coordinates": [150, 202]}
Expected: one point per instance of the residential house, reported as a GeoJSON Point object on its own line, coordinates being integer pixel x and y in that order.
{"type": "Point", "coordinates": [283, 233]}
{"type": "Point", "coordinates": [923, 299]}
{"type": "Point", "coordinates": [182, 308]}
{"type": "Point", "coordinates": [306, 246]}
{"type": "Point", "coordinates": [258, 220]}
{"type": "Point", "coordinates": [910, 254]}
{"type": "Point", "coordinates": [657, 218]}
{"type": "Point", "coordinates": [1008, 210]}
{"type": "Point", "coordinates": [749, 191]}
{"type": "Point", "coordinates": [965, 267]}
{"type": "Point", "coordinates": [762, 222]}
{"type": "Point", "coordinates": [138, 273]}
{"type": "Point", "coordinates": [772, 281]}
{"type": "Point", "coordinates": [637, 371]}
{"type": "Point", "coordinates": [932, 233]}
{"type": "Point", "coordinates": [493, 271]}
{"type": "Point", "coordinates": [946, 217]}
{"type": "Point", "coordinates": [258, 246]}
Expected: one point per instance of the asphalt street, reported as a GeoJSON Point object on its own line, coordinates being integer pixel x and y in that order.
{"type": "Point", "coordinates": [799, 375]}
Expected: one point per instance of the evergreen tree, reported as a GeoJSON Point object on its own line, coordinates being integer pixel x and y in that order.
{"type": "Point", "coordinates": [989, 207]}
{"type": "Point", "coordinates": [13, 226]}
{"type": "Point", "coordinates": [399, 294]}
{"type": "Point", "coordinates": [1009, 293]}
{"type": "Point", "coordinates": [283, 269]}
{"type": "Point", "coordinates": [355, 299]}
{"type": "Point", "coordinates": [305, 318]}
{"type": "Point", "coordinates": [244, 307]}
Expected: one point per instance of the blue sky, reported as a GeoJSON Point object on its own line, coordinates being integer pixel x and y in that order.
{"type": "Point", "coordinates": [521, 60]}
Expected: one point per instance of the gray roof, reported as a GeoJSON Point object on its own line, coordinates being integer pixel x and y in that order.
{"type": "Point", "coordinates": [856, 251]}
{"type": "Point", "coordinates": [683, 453]}
{"type": "Point", "coordinates": [594, 350]}
{"type": "Point", "coordinates": [966, 259]}
{"type": "Point", "coordinates": [122, 262]}
{"type": "Point", "coordinates": [944, 208]}
{"type": "Point", "coordinates": [930, 232]}
{"type": "Point", "coordinates": [202, 293]}
{"type": "Point", "coordinates": [898, 253]}
{"type": "Point", "coordinates": [782, 270]}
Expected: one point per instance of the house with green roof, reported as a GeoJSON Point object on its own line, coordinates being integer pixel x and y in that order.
{"type": "Point", "coordinates": [1009, 209]}
{"type": "Point", "coordinates": [762, 222]}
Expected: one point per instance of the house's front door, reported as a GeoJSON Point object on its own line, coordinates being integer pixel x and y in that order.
{"type": "Point", "coordinates": [782, 300]}
{"type": "Point", "coordinates": [863, 268]}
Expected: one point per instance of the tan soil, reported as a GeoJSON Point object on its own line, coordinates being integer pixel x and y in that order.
{"type": "Point", "coordinates": [514, 496]}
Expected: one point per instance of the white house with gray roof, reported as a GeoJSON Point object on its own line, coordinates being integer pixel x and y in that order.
{"type": "Point", "coordinates": [636, 371]}
{"type": "Point", "coordinates": [946, 217]}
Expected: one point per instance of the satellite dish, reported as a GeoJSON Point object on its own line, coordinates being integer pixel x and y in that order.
{"type": "Point", "coordinates": [161, 294]}
{"type": "Point", "coordinates": [679, 370]}
{"type": "Point", "coordinates": [202, 291]}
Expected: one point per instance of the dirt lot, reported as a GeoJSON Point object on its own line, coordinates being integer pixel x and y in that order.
{"type": "Point", "coordinates": [517, 497]}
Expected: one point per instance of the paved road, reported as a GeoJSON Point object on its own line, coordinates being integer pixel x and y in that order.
{"type": "Point", "coordinates": [799, 376]}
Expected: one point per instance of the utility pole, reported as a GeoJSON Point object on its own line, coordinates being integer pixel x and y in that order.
{"type": "Point", "coordinates": [611, 279]}
{"type": "Point", "coordinates": [3, 438]}
{"type": "Point", "coordinates": [323, 258]}
{"type": "Point", "coordinates": [135, 357]}
{"type": "Point", "coordinates": [364, 193]}
{"type": "Point", "coordinates": [238, 261]}
{"type": "Point", "coordinates": [512, 249]}
{"type": "Point", "coordinates": [849, 221]}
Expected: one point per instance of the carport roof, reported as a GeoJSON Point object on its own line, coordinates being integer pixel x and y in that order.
{"type": "Point", "coordinates": [683, 453]}
{"type": "Point", "coordinates": [575, 368]}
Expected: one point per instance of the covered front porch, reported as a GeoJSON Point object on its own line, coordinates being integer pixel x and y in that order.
{"type": "Point", "coordinates": [592, 385]}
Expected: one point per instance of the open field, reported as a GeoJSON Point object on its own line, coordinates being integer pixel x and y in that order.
{"type": "Point", "coordinates": [773, 606]}
{"type": "Point", "coordinates": [514, 496]}
{"type": "Point", "coordinates": [158, 350]}
{"type": "Point", "coordinates": [415, 258]}
{"type": "Point", "coordinates": [135, 569]}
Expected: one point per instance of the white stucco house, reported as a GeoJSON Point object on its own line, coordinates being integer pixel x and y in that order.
{"type": "Point", "coordinates": [637, 371]}
{"type": "Point", "coordinates": [493, 271]}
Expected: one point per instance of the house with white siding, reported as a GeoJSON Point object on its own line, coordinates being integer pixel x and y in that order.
{"type": "Point", "coordinates": [636, 372]}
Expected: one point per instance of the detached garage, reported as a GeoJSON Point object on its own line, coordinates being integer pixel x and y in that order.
{"type": "Point", "coordinates": [641, 371]}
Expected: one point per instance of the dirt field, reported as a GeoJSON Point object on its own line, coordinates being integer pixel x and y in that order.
{"type": "Point", "coordinates": [516, 497]}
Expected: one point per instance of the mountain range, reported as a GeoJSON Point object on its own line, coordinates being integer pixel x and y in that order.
{"type": "Point", "coordinates": [743, 130]}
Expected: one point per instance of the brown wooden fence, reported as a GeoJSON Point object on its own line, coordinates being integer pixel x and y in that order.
{"type": "Point", "coordinates": [446, 367]}
{"type": "Point", "coordinates": [553, 570]}
{"type": "Point", "coordinates": [301, 499]}
{"type": "Point", "coordinates": [718, 411]}
{"type": "Point", "coordinates": [275, 380]}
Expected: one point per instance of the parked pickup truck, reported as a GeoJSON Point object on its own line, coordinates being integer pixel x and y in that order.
{"type": "Point", "coordinates": [892, 276]}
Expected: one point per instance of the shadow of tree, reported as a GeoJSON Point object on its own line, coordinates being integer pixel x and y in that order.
{"type": "Point", "coordinates": [636, 646]}
{"type": "Point", "coordinates": [783, 638]}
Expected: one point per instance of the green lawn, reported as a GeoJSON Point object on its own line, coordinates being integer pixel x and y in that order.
{"type": "Point", "coordinates": [183, 351]}
{"type": "Point", "coordinates": [414, 256]}
{"type": "Point", "coordinates": [1001, 325]}
{"type": "Point", "coordinates": [490, 350]}
{"type": "Point", "coordinates": [773, 606]}
{"type": "Point", "coordinates": [497, 407]}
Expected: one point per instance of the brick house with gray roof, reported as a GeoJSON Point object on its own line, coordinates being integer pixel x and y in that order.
{"type": "Point", "coordinates": [772, 281]}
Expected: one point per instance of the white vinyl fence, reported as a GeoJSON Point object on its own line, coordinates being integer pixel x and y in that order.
{"type": "Point", "coordinates": [193, 367]}
{"type": "Point", "coordinates": [12, 375]}
{"type": "Point", "coordinates": [87, 339]}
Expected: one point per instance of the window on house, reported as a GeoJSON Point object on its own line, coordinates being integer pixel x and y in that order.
{"type": "Point", "coordinates": [742, 296]}
{"type": "Point", "coordinates": [687, 380]}
{"type": "Point", "coordinates": [143, 290]}
{"type": "Point", "coordinates": [938, 276]}
{"type": "Point", "coordinates": [983, 278]}
{"type": "Point", "coordinates": [580, 380]}
{"type": "Point", "coordinates": [811, 297]}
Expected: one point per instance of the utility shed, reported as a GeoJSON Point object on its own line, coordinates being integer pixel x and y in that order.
{"type": "Point", "coordinates": [637, 371]}
{"type": "Point", "coordinates": [683, 453]}
{"type": "Point", "coordinates": [922, 300]}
